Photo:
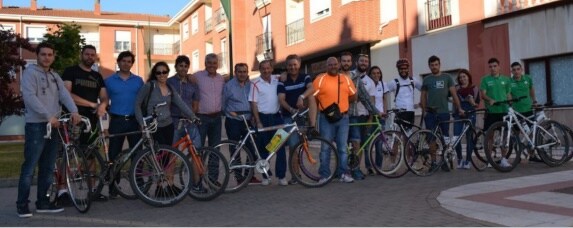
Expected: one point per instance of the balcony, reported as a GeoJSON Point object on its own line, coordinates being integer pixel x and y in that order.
{"type": "Point", "coordinates": [208, 25]}
{"type": "Point", "coordinates": [438, 14]}
{"type": "Point", "coordinates": [507, 6]}
{"type": "Point", "coordinates": [163, 48]}
{"type": "Point", "coordinates": [295, 32]}
{"type": "Point", "coordinates": [264, 42]}
{"type": "Point", "coordinates": [219, 20]}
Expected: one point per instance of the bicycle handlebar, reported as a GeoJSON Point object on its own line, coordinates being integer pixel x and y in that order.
{"type": "Point", "coordinates": [182, 122]}
{"type": "Point", "coordinates": [509, 101]}
{"type": "Point", "coordinates": [67, 118]}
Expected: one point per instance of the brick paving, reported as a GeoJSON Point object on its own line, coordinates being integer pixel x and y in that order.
{"type": "Point", "coordinates": [376, 201]}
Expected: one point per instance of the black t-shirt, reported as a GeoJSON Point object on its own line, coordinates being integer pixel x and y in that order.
{"type": "Point", "coordinates": [85, 84]}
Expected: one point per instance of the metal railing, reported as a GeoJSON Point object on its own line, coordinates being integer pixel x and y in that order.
{"type": "Point", "coordinates": [208, 25]}
{"type": "Point", "coordinates": [506, 6]}
{"type": "Point", "coordinates": [264, 42]}
{"type": "Point", "coordinates": [438, 14]}
{"type": "Point", "coordinates": [295, 32]}
{"type": "Point", "coordinates": [163, 48]}
{"type": "Point", "coordinates": [219, 17]}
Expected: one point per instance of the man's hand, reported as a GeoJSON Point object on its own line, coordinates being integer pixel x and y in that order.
{"type": "Point", "coordinates": [54, 122]}
{"type": "Point", "coordinates": [491, 101]}
{"type": "Point", "coordinates": [383, 115]}
{"type": "Point", "coordinates": [101, 110]}
{"type": "Point", "coordinates": [300, 102]}
{"type": "Point", "coordinates": [283, 77]}
{"type": "Point", "coordinates": [76, 118]}
{"type": "Point", "coordinates": [461, 112]}
{"type": "Point", "coordinates": [259, 125]}
{"type": "Point", "coordinates": [192, 78]}
{"type": "Point", "coordinates": [233, 114]}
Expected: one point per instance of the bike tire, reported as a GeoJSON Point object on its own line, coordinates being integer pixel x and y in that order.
{"type": "Point", "coordinates": [305, 162]}
{"type": "Point", "coordinates": [210, 182]}
{"type": "Point", "coordinates": [570, 133]}
{"type": "Point", "coordinates": [77, 178]}
{"type": "Point", "coordinates": [151, 180]}
{"type": "Point", "coordinates": [121, 179]}
{"type": "Point", "coordinates": [387, 154]}
{"type": "Point", "coordinates": [495, 138]}
{"type": "Point", "coordinates": [479, 159]}
{"type": "Point", "coordinates": [557, 154]}
{"type": "Point", "coordinates": [420, 161]}
{"type": "Point", "coordinates": [239, 176]}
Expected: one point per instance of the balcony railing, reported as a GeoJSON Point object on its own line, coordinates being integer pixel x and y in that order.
{"type": "Point", "coordinates": [208, 25]}
{"type": "Point", "coordinates": [163, 48]}
{"type": "Point", "coordinates": [506, 6]}
{"type": "Point", "coordinates": [264, 42]}
{"type": "Point", "coordinates": [438, 14]}
{"type": "Point", "coordinates": [295, 32]}
{"type": "Point", "coordinates": [219, 20]}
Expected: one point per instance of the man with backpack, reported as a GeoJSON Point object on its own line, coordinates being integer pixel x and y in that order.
{"type": "Point", "coordinates": [403, 88]}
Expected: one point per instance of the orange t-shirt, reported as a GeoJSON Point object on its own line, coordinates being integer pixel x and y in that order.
{"type": "Point", "coordinates": [326, 89]}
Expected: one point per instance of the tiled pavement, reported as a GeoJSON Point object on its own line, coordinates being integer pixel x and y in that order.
{"type": "Point", "coordinates": [376, 201]}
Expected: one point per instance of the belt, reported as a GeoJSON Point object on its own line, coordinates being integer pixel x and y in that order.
{"type": "Point", "coordinates": [213, 114]}
{"type": "Point", "coordinates": [125, 117]}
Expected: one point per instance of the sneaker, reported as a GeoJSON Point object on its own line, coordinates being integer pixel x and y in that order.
{"type": "Point", "coordinates": [113, 193]}
{"type": "Point", "coordinates": [199, 189]}
{"type": "Point", "coordinates": [503, 163]}
{"type": "Point", "coordinates": [466, 165]}
{"type": "Point", "coordinates": [24, 211]}
{"type": "Point", "coordinates": [64, 200]}
{"type": "Point", "coordinates": [346, 178]}
{"type": "Point", "coordinates": [266, 181]}
{"type": "Point", "coordinates": [357, 174]}
{"type": "Point", "coordinates": [98, 197]}
{"type": "Point", "coordinates": [460, 164]}
{"type": "Point", "coordinates": [283, 182]}
{"type": "Point", "coordinates": [322, 181]}
{"type": "Point", "coordinates": [292, 181]}
{"type": "Point", "coordinates": [254, 181]}
{"type": "Point", "coordinates": [50, 208]}
{"type": "Point", "coordinates": [371, 172]}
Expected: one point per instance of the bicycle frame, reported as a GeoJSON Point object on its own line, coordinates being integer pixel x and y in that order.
{"type": "Point", "coordinates": [187, 143]}
{"type": "Point", "coordinates": [512, 118]}
{"type": "Point", "coordinates": [371, 138]}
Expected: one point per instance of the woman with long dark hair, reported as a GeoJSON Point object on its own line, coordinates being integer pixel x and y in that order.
{"type": "Point", "coordinates": [469, 97]}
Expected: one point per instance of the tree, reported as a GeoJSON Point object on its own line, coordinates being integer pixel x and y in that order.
{"type": "Point", "coordinates": [11, 102]}
{"type": "Point", "coordinates": [68, 44]}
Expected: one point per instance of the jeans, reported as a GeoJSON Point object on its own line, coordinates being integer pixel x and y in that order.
{"type": "Point", "coordinates": [41, 152]}
{"type": "Point", "coordinates": [264, 138]}
{"type": "Point", "coordinates": [458, 128]}
{"type": "Point", "coordinates": [432, 119]}
{"type": "Point", "coordinates": [378, 147]}
{"type": "Point", "coordinates": [121, 125]}
{"type": "Point", "coordinates": [337, 132]}
{"type": "Point", "coordinates": [236, 130]}
{"type": "Point", "coordinates": [210, 129]}
{"type": "Point", "coordinates": [193, 133]}
{"type": "Point", "coordinates": [294, 139]}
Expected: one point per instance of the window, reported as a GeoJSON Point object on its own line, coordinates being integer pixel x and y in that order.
{"type": "Point", "coordinates": [551, 78]}
{"type": "Point", "coordinates": [194, 23]}
{"type": "Point", "coordinates": [319, 9]}
{"type": "Point", "coordinates": [122, 41]}
{"type": "Point", "coordinates": [223, 55]}
{"type": "Point", "coordinates": [438, 13]}
{"type": "Point", "coordinates": [185, 30]}
{"type": "Point", "coordinates": [35, 34]}
{"type": "Point", "coordinates": [195, 61]}
{"type": "Point", "coordinates": [5, 27]}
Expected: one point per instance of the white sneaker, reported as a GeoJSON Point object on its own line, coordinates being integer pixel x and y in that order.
{"type": "Point", "coordinates": [503, 163]}
{"type": "Point", "coordinates": [460, 164]}
{"type": "Point", "coordinates": [283, 182]}
{"type": "Point", "coordinates": [346, 178]}
{"type": "Point", "coordinates": [467, 165]}
{"type": "Point", "coordinates": [266, 181]}
{"type": "Point", "coordinates": [322, 181]}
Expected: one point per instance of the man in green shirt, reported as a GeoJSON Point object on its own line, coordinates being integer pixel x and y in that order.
{"type": "Point", "coordinates": [521, 85]}
{"type": "Point", "coordinates": [495, 87]}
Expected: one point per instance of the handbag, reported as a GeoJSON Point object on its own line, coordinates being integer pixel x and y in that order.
{"type": "Point", "coordinates": [332, 112]}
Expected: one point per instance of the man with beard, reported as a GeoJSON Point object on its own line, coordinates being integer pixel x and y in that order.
{"type": "Point", "coordinates": [334, 88]}
{"type": "Point", "coordinates": [361, 109]}
{"type": "Point", "coordinates": [403, 88]}
{"type": "Point", "coordinates": [86, 86]}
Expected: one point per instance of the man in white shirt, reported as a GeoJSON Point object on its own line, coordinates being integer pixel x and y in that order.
{"type": "Point", "coordinates": [403, 87]}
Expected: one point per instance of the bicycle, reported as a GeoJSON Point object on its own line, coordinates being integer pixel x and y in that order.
{"type": "Point", "coordinates": [304, 163]}
{"type": "Point", "coordinates": [385, 150]}
{"type": "Point", "coordinates": [144, 166]}
{"type": "Point", "coordinates": [504, 139]}
{"type": "Point", "coordinates": [71, 166]}
{"type": "Point", "coordinates": [210, 167]}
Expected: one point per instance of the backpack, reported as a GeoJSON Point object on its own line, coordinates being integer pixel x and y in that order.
{"type": "Point", "coordinates": [398, 87]}
{"type": "Point", "coordinates": [146, 101]}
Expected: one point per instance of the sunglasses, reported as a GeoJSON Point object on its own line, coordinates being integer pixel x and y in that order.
{"type": "Point", "coordinates": [161, 72]}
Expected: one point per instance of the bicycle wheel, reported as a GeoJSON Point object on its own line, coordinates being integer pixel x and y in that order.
{"type": "Point", "coordinates": [496, 143]}
{"type": "Point", "coordinates": [57, 179]}
{"type": "Point", "coordinates": [557, 140]}
{"type": "Point", "coordinates": [211, 181]}
{"type": "Point", "coordinates": [570, 134]}
{"type": "Point", "coordinates": [479, 159]}
{"type": "Point", "coordinates": [307, 159]}
{"type": "Point", "coordinates": [426, 154]}
{"type": "Point", "coordinates": [239, 174]}
{"type": "Point", "coordinates": [77, 178]}
{"type": "Point", "coordinates": [387, 152]}
{"type": "Point", "coordinates": [162, 177]}
{"type": "Point", "coordinates": [121, 181]}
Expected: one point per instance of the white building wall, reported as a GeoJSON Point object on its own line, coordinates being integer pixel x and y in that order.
{"type": "Point", "coordinates": [451, 46]}
{"type": "Point", "coordinates": [385, 54]}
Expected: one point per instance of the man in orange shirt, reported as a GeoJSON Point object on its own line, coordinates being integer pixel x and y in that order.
{"type": "Point", "coordinates": [330, 88]}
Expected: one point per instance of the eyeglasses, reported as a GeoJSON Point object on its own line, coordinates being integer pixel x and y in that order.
{"type": "Point", "coordinates": [161, 72]}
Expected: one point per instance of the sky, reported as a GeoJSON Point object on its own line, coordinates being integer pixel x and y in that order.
{"type": "Point", "coordinates": [165, 7]}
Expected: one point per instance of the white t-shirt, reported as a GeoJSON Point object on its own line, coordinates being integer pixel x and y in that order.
{"type": "Point", "coordinates": [405, 98]}
{"type": "Point", "coordinates": [370, 88]}
{"type": "Point", "coordinates": [381, 89]}
{"type": "Point", "coordinates": [265, 94]}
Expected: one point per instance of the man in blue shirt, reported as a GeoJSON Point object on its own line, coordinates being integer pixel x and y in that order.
{"type": "Point", "coordinates": [122, 88]}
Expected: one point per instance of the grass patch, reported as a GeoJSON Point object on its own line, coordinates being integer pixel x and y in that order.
{"type": "Point", "coordinates": [11, 158]}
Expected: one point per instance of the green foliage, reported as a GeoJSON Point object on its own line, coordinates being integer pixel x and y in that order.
{"type": "Point", "coordinates": [11, 102]}
{"type": "Point", "coordinates": [68, 44]}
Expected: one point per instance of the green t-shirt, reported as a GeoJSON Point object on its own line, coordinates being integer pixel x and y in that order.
{"type": "Point", "coordinates": [519, 89]}
{"type": "Point", "coordinates": [437, 88]}
{"type": "Point", "coordinates": [497, 89]}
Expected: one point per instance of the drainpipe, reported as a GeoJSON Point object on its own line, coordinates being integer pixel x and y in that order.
{"type": "Point", "coordinates": [137, 47]}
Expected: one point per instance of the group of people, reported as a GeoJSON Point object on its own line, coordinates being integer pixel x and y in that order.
{"type": "Point", "coordinates": [335, 99]}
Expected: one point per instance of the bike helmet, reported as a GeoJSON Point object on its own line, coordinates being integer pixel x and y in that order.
{"type": "Point", "coordinates": [402, 62]}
